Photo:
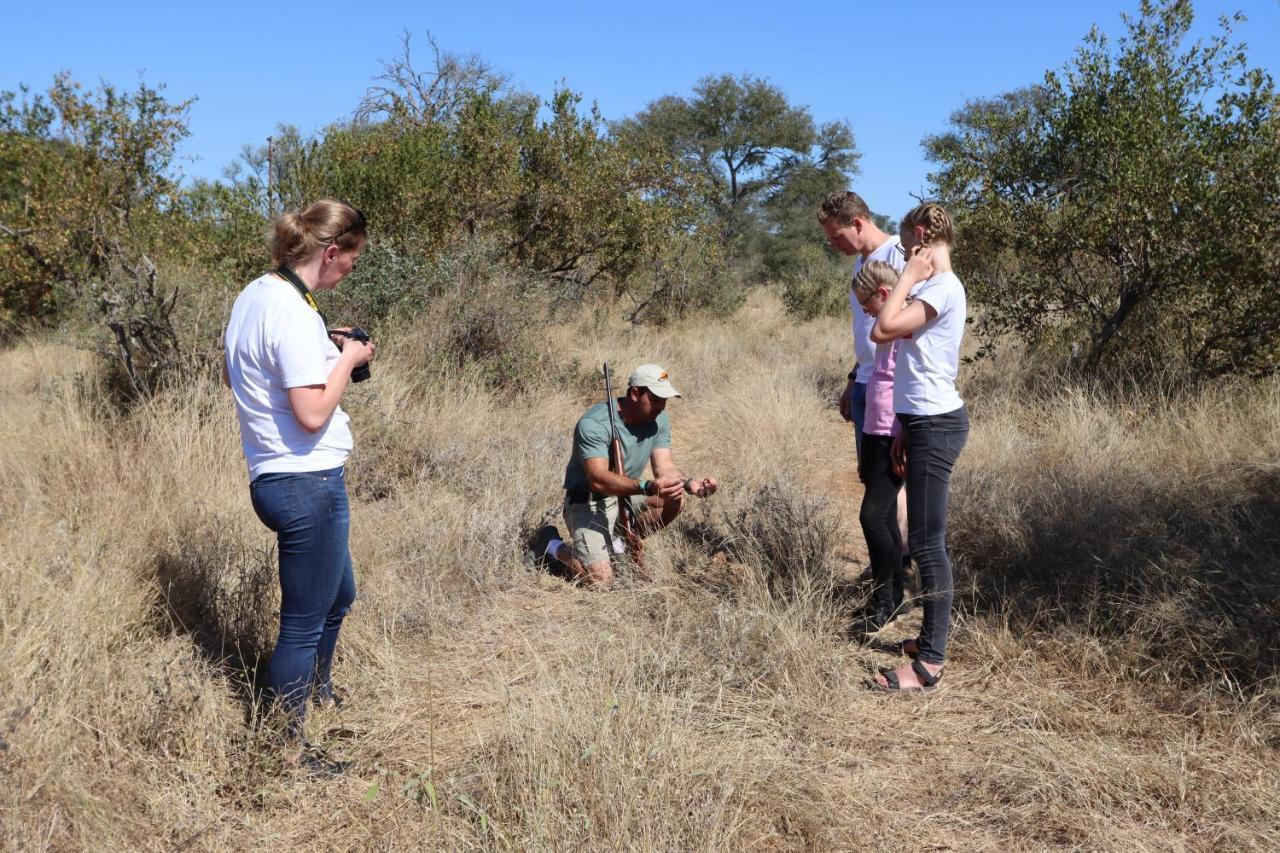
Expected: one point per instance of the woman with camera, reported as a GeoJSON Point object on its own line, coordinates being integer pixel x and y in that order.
{"type": "Point", "coordinates": [287, 373]}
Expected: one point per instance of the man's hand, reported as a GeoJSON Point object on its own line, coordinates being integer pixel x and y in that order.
{"type": "Point", "coordinates": [898, 454]}
{"type": "Point", "coordinates": [704, 488]}
{"type": "Point", "coordinates": [670, 487]}
{"type": "Point", "coordinates": [846, 402]}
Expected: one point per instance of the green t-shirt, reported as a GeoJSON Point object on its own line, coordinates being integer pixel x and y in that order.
{"type": "Point", "coordinates": [591, 440]}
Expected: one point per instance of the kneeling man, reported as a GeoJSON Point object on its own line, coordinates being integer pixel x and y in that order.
{"type": "Point", "coordinates": [593, 492]}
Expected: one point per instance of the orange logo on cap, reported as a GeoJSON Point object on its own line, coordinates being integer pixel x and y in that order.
{"type": "Point", "coordinates": [664, 375]}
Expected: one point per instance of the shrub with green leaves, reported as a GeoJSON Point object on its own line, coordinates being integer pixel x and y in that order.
{"type": "Point", "coordinates": [1126, 208]}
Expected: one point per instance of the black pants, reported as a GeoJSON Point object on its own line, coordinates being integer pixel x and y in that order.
{"type": "Point", "coordinates": [879, 517]}
{"type": "Point", "coordinates": [934, 443]}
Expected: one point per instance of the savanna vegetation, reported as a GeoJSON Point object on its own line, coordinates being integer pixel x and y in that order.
{"type": "Point", "coordinates": [1115, 518]}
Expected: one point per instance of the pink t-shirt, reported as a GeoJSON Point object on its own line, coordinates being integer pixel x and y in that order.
{"type": "Point", "coordinates": [880, 417]}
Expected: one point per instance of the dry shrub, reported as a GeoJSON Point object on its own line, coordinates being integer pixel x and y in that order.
{"type": "Point", "coordinates": [490, 706]}
{"type": "Point", "coordinates": [1155, 519]}
{"type": "Point", "coordinates": [784, 536]}
{"type": "Point", "coordinates": [221, 591]}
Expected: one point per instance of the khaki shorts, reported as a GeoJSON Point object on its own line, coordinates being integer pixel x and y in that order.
{"type": "Point", "coordinates": [591, 526]}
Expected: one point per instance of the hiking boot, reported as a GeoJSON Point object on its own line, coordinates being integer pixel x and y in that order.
{"type": "Point", "coordinates": [536, 556]}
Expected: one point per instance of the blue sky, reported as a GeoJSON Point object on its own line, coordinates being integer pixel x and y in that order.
{"type": "Point", "coordinates": [895, 75]}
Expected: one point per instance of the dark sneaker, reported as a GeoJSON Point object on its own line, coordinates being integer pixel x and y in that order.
{"type": "Point", "coordinates": [317, 763]}
{"type": "Point", "coordinates": [873, 622]}
{"type": "Point", "coordinates": [536, 557]}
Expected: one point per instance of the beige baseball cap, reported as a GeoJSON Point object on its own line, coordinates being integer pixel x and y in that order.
{"type": "Point", "coordinates": [653, 377]}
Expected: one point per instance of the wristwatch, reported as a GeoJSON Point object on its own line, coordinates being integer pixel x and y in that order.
{"type": "Point", "coordinates": [687, 487]}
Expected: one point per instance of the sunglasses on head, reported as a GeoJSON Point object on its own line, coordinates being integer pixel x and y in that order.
{"type": "Point", "coordinates": [358, 224]}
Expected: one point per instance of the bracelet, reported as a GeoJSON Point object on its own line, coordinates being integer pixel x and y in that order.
{"type": "Point", "coordinates": [643, 485]}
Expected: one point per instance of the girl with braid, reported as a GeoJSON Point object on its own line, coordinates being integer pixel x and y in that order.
{"type": "Point", "coordinates": [935, 424]}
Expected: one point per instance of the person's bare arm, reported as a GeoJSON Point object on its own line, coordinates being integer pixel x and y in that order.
{"type": "Point", "coordinates": [603, 481]}
{"type": "Point", "coordinates": [898, 317]}
{"type": "Point", "coordinates": [313, 405]}
{"type": "Point", "coordinates": [664, 467]}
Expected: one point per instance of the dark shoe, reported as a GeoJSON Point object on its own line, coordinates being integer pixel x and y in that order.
{"type": "Point", "coordinates": [318, 765]}
{"type": "Point", "coordinates": [536, 556]}
{"type": "Point", "coordinates": [909, 647]}
{"type": "Point", "coordinates": [874, 622]}
{"type": "Point", "coordinates": [927, 679]}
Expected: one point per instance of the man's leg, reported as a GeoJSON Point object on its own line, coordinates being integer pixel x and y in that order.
{"type": "Point", "coordinates": [858, 414]}
{"type": "Point", "coordinates": [653, 514]}
{"type": "Point", "coordinates": [589, 550]}
{"type": "Point", "coordinates": [598, 574]}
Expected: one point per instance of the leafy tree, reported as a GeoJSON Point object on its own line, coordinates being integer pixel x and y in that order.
{"type": "Point", "coordinates": [447, 157]}
{"type": "Point", "coordinates": [763, 159]}
{"type": "Point", "coordinates": [1127, 207]}
{"type": "Point", "coordinates": [84, 180]}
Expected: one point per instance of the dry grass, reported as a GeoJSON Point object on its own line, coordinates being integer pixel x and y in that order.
{"type": "Point", "coordinates": [719, 708]}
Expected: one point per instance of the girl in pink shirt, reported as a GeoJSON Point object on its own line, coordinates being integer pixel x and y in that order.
{"type": "Point", "coordinates": [879, 512]}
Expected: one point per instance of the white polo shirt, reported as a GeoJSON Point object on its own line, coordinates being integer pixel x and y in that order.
{"type": "Point", "coordinates": [275, 341]}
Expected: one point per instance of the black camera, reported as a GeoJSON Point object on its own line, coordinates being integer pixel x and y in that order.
{"type": "Point", "coordinates": [356, 333]}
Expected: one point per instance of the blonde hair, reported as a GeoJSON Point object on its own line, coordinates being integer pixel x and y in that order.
{"type": "Point", "coordinates": [843, 206]}
{"type": "Point", "coordinates": [873, 276]}
{"type": "Point", "coordinates": [298, 236]}
{"type": "Point", "coordinates": [935, 220]}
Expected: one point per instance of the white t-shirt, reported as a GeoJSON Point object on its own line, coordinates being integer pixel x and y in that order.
{"type": "Point", "coordinates": [275, 341]}
{"type": "Point", "coordinates": [864, 349]}
{"type": "Point", "coordinates": [924, 380]}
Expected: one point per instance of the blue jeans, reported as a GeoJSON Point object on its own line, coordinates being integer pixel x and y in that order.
{"type": "Point", "coordinates": [934, 443]}
{"type": "Point", "coordinates": [311, 518]}
{"type": "Point", "coordinates": [858, 413]}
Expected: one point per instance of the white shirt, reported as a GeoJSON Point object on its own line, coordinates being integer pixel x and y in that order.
{"type": "Point", "coordinates": [275, 341]}
{"type": "Point", "coordinates": [864, 349]}
{"type": "Point", "coordinates": [924, 380]}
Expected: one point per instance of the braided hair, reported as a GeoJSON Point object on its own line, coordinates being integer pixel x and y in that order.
{"type": "Point", "coordinates": [937, 224]}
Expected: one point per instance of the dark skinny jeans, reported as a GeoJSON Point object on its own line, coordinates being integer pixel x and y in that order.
{"type": "Point", "coordinates": [879, 517]}
{"type": "Point", "coordinates": [934, 443]}
{"type": "Point", "coordinates": [311, 518]}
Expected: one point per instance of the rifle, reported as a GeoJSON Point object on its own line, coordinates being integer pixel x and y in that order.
{"type": "Point", "coordinates": [626, 522]}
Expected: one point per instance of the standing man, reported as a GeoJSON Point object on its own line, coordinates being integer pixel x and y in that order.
{"type": "Point", "coordinates": [847, 221]}
{"type": "Point", "coordinates": [592, 491]}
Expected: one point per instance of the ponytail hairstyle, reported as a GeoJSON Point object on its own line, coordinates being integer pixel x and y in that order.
{"type": "Point", "coordinates": [873, 276]}
{"type": "Point", "coordinates": [937, 224]}
{"type": "Point", "coordinates": [298, 236]}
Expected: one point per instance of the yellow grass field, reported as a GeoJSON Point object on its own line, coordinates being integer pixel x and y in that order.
{"type": "Point", "coordinates": [720, 707]}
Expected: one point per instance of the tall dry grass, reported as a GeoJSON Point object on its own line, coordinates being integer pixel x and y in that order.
{"type": "Point", "coordinates": [719, 707]}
